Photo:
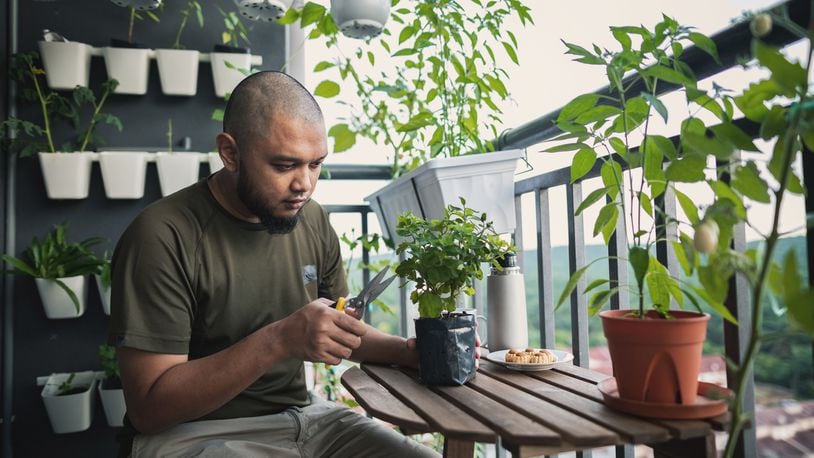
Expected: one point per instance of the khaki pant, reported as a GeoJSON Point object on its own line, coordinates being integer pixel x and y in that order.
{"type": "Point", "coordinates": [322, 429]}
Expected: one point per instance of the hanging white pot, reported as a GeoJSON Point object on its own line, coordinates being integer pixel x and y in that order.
{"type": "Point", "coordinates": [177, 170]}
{"type": "Point", "coordinates": [360, 18]}
{"type": "Point", "coordinates": [56, 302]}
{"type": "Point", "coordinates": [215, 162]}
{"type": "Point", "coordinates": [113, 405]}
{"type": "Point", "coordinates": [104, 294]}
{"type": "Point", "coordinates": [123, 173]}
{"type": "Point", "coordinates": [263, 10]}
{"type": "Point", "coordinates": [130, 67]}
{"type": "Point", "coordinates": [72, 412]}
{"type": "Point", "coordinates": [224, 77]}
{"type": "Point", "coordinates": [486, 181]}
{"type": "Point", "coordinates": [178, 70]}
{"type": "Point", "coordinates": [67, 175]}
{"type": "Point", "coordinates": [67, 63]}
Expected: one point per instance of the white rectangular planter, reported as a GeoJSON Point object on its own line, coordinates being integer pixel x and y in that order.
{"type": "Point", "coordinates": [67, 175]}
{"type": "Point", "coordinates": [226, 78]}
{"type": "Point", "coordinates": [130, 67]}
{"type": "Point", "coordinates": [177, 170]}
{"type": "Point", "coordinates": [56, 302]}
{"type": "Point", "coordinates": [114, 406]}
{"type": "Point", "coordinates": [73, 412]}
{"type": "Point", "coordinates": [123, 173]}
{"type": "Point", "coordinates": [486, 181]}
{"type": "Point", "coordinates": [178, 69]}
{"type": "Point", "coordinates": [67, 64]}
{"type": "Point", "coordinates": [104, 294]}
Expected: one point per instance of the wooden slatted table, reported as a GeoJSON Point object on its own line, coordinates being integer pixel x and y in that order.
{"type": "Point", "coordinates": [533, 413]}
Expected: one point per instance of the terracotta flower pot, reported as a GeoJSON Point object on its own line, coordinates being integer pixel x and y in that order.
{"type": "Point", "coordinates": [655, 359]}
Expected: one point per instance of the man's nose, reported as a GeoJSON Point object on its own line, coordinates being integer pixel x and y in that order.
{"type": "Point", "coordinates": [302, 182]}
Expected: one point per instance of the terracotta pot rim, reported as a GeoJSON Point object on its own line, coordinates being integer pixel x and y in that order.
{"type": "Point", "coordinates": [621, 314]}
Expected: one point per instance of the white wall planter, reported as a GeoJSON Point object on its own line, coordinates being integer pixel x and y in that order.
{"type": "Point", "coordinates": [226, 78]}
{"type": "Point", "coordinates": [56, 302]}
{"type": "Point", "coordinates": [215, 162]}
{"type": "Point", "coordinates": [130, 67]}
{"type": "Point", "coordinates": [178, 70]}
{"type": "Point", "coordinates": [360, 18]}
{"type": "Point", "coordinates": [123, 173]}
{"type": "Point", "coordinates": [177, 170]}
{"type": "Point", "coordinates": [486, 181]}
{"type": "Point", "coordinates": [104, 294]}
{"type": "Point", "coordinates": [67, 63]}
{"type": "Point", "coordinates": [67, 175]}
{"type": "Point", "coordinates": [113, 405]}
{"type": "Point", "coordinates": [69, 413]}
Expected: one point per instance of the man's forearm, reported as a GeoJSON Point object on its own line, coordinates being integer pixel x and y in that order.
{"type": "Point", "coordinates": [378, 347]}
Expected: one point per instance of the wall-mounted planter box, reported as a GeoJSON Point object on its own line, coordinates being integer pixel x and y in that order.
{"type": "Point", "coordinates": [130, 67]}
{"type": "Point", "coordinates": [113, 404]}
{"type": "Point", "coordinates": [123, 173]}
{"type": "Point", "coordinates": [67, 64]}
{"type": "Point", "coordinates": [486, 181]}
{"type": "Point", "coordinates": [104, 294]}
{"type": "Point", "coordinates": [227, 78]}
{"type": "Point", "coordinates": [56, 302]}
{"type": "Point", "coordinates": [67, 175]}
{"type": "Point", "coordinates": [215, 162]}
{"type": "Point", "coordinates": [177, 170]}
{"type": "Point", "coordinates": [178, 69]}
{"type": "Point", "coordinates": [72, 412]}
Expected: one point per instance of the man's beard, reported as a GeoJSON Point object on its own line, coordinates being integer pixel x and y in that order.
{"type": "Point", "coordinates": [273, 224]}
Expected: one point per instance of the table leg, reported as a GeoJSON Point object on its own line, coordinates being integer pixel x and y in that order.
{"type": "Point", "coordinates": [690, 448]}
{"type": "Point", "coordinates": [456, 448]}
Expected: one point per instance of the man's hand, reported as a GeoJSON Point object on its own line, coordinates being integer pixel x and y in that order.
{"type": "Point", "coordinates": [319, 333]}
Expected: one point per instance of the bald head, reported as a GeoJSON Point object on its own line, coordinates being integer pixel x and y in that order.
{"type": "Point", "coordinates": [260, 98]}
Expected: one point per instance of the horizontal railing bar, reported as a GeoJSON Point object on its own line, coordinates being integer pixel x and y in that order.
{"type": "Point", "coordinates": [361, 208]}
{"type": "Point", "coordinates": [733, 43]}
{"type": "Point", "coordinates": [358, 172]}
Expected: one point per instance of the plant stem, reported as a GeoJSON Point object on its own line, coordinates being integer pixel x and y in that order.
{"type": "Point", "coordinates": [169, 135]}
{"type": "Point", "coordinates": [43, 107]}
{"type": "Point", "coordinates": [132, 21]}
{"type": "Point", "coordinates": [177, 43]}
{"type": "Point", "coordinates": [738, 418]}
{"type": "Point", "coordinates": [92, 123]}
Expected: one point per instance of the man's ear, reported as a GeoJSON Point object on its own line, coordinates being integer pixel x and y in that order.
{"type": "Point", "coordinates": [227, 148]}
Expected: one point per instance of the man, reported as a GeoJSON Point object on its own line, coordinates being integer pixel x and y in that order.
{"type": "Point", "coordinates": [222, 290]}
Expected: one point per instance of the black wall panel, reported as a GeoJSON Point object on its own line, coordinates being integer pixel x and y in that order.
{"type": "Point", "coordinates": [42, 346]}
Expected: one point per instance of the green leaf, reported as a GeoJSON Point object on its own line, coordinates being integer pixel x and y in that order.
{"type": "Point", "coordinates": [689, 169]}
{"type": "Point", "coordinates": [510, 52]}
{"type": "Point", "coordinates": [705, 43]}
{"type": "Point", "coordinates": [723, 191]}
{"type": "Point", "coordinates": [801, 312]}
{"type": "Point", "coordinates": [582, 163]}
{"type": "Point", "coordinates": [659, 284]}
{"type": "Point", "coordinates": [717, 305]}
{"type": "Point", "coordinates": [752, 101]}
{"type": "Point", "coordinates": [577, 106]}
{"type": "Point", "coordinates": [596, 283]}
{"type": "Point", "coordinates": [572, 282]}
{"type": "Point", "coordinates": [716, 285]}
{"type": "Point", "coordinates": [327, 89]}
{"type": "Point", "coordinates": [748, 182]}
{"type": "Point", "coordinates": [653, 163]}
{"type": "Point", "coordinates": [734, 135]}
{"type": "Point", "coordinates": [592, 198]}
{"type": "Point", "coordinates": [311, 13]}
{"type": "Point", "coordinates": [656, 104]}
{"type": "Point", "coordinates": [788, 75]}
{"type": "Point", "coordinates": [688, 206]}
{"type": "Point", "coordinates": [606, 221]}
{"type": "Point", "coordinates": [324, 65]}
{"type": "Point", "coordinates": [639, 259]}
{"type": "Point", "coordinates": [599, 299]}
{"type": "Point", "coordinates": [668, 74]}
{"type": "Point", "coordinates": [791, 276]}
{"type": "Point", "coordinates": [645, 202]}
{"type": "Point", "coordinates": [611, 173]}
{"type": "Point", "coordinates": [565, 147]}
{"type": "Point", "coordinates": [344, 138]}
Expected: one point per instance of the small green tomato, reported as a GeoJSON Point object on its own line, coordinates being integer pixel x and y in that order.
{"type": "Point", "coordinates": [761, 25]}
{"type": "Point", "coordinates": [706, 236]}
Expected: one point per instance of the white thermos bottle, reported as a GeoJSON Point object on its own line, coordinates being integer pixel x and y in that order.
{"type": "Point", "coordinates": [507, 325]}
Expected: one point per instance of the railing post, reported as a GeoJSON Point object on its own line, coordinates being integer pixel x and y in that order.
{"type": "Point", "coordinates": [617, 268]}
{"type": "Point", "coordinates": [666, 206]}
{"type": "Point", "coordinates": [545, 281]}
{"type": "Point", "coordinates": [576, 258]}
{"type": "Point", "coordinates": [808, 180]}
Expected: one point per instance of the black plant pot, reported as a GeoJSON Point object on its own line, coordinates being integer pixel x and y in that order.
{"type": "Point", "coordinates": [446, 349]}
{"type": "Point", "coordinates": [231, 49]}
{"type": "Point", "coordinates": [117, 43]}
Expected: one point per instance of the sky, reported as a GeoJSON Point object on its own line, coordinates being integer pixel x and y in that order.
{"type": "Point", "coordinates": [545, 80]}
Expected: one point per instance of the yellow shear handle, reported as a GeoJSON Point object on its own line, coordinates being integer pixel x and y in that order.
{"type": "Point", "coordinates": [340, 304]}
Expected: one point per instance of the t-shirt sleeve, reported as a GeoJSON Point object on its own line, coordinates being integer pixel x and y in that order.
{"type": "Point", "coordinates": [333, 283]}
{"type": "Point", "coordinates": [151, 294]}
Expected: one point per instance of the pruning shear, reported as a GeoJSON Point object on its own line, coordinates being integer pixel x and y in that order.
{"type": "Point", "coordinates": [366, 296]}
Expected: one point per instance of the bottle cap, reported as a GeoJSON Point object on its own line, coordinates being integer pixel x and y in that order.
{"type": "Point", "coordinates": [508, 260]}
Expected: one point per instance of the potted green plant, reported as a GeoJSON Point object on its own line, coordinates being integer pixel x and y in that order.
{"type": "Point", "coordinates": [68, 399]}
{"type": "Point", "coordinates": [103, 282]}
{"type": "Point", "coordinates": [655, 351]}
{"type": "Point", "coordinates": [67, 176]}
{"type": "Point", "coordinates": [443, 258]}
{"type": "Point", "coordinates": [59, 269]}
{"type": "Point", "coordinates": [440, 101]}
{"type": "Point", "coordinates": [230, 62]}
{"type": "Point", "coordinates": [127, 61]}
{"type": "Point", "coordinates": [177, 66]}
{"type": "Point", "coordinates": [176, 170]}
{"type": "Point", "coordinates": [110, 389]}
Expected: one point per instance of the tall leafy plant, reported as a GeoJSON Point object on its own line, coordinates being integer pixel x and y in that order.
{"type": "Point", "coordinates": [442, 96]}
{"type": "Point", "coordinates": [192, 8]}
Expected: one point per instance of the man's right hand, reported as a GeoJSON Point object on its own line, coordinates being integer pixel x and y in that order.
{"type": "Point", "coordinates": [318, 333]}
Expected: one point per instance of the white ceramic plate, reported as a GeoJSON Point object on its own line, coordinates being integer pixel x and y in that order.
{"type": "Point", "coordinates": [499, 357]}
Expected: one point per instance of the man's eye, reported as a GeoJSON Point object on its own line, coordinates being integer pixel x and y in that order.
{"type": "Point", "coordinates": [284, 167]}
{"type": "Point", "coordinates": [316, 165]}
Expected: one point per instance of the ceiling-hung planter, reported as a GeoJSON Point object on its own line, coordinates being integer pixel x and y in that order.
{"type": "Point", "coordinates": [67, 175]}
{"type": "Point", "coordinates": [68, 399]}
{"type": "Point", "coordinates": [178, 71]}
{"type": "Point", "coordinates": [215, 162]}
{"type": "Point", "coordinates": [263, 10]}
{"type": "Point", "coordinates": [129, 65]}
{"type": "Point", "coordinates": [123, 173]}
{"type": "Point", "coordinates": [177, 170]}
{"type": "Point", "coordinates": [485, 181]}
{"type": "Point", "coordinates": [67, 63]}
{"type": "Point", "coordinates": [229, 66]}
{"type": "Point", "coordinates": [360, 18]}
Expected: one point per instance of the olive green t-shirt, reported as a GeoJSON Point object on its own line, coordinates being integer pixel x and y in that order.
{"type": "Point", "coordinates": [190, 278]}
